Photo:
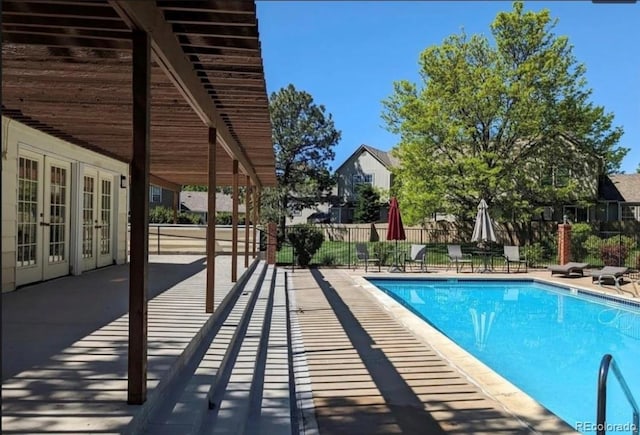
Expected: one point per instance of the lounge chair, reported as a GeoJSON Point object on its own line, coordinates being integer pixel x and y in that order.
{"type": "Point", "coordinates": [569, 269]}
{"type": "Point", "coordinates": [362, 256]}
{"type": "Point", "coordinates": [512, 255]}
{"type": "Point", "coordinates": [614, 273]}
{"type": "Point", "coordinates": [417, 255]}
{"type": "Point", "coordinates": [456, 256]}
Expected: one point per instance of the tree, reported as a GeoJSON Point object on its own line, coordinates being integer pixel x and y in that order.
{"type": "Point", "coordinates": [638, 169]}
{"type": "Point", "coordinates": [367, 207]}
{"type": "Point", "coordinates": [303, 138]}
{"type": "Point", "coordinates": [499, 121]}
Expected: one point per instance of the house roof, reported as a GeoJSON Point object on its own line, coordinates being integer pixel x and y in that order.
{"type": "Point", "coordinates": [67, 71]}
{"type": "Point", "coordinates": [197, 202]}
{"type": "Point", "coordinates": [621, 187]}
{"type": "Point", "coordinates": [384, 157]}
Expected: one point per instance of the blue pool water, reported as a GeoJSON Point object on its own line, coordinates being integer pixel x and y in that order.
{"type": "Point", "coordinates": [546, 340]}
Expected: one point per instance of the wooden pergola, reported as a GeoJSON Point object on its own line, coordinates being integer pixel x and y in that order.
{"type": "Point", "coordinates": [175, 88]}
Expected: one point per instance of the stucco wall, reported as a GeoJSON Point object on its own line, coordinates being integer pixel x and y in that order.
{"type": "Point", "coordinates": [16, 135]}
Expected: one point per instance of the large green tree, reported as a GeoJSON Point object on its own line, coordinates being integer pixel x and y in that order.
{"type": "Point", "coordinates": [303, 137]}
{"type": "Point", "coordinates": [503, 121]}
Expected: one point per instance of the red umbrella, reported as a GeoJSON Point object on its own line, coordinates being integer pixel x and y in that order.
{"type": "Point", "coordinates": [395, 230]}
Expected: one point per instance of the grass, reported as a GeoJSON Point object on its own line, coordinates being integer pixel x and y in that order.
{"type": "Point", "coordinates": [338, 253]}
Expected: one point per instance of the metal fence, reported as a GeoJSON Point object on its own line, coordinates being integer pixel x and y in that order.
{"type": "Point", "coordinates": [620, 247]}
{"type": "Point", "coordinates": [539, 247]}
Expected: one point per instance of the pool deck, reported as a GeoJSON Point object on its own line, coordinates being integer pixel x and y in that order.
{"type": "Point", "coordinates": [363, 364]}
{"type": "Point", "coordinates": [374, 367]}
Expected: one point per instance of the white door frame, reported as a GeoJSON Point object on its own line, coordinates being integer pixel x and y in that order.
{"type": "Point", "coordinates": [29, 212]}
{"type": "Point", "coordinates": [43, 217]}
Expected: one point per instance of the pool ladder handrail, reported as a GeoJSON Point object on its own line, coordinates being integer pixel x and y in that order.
{"type": "Point", "coordinates": [609, 362]}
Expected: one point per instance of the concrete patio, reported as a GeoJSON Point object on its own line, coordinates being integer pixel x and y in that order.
{"type": "Point", "coordinates": [64, 343]}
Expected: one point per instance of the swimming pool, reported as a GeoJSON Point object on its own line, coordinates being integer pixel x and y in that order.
{"type": "Point", "coordinates": [546, 340]}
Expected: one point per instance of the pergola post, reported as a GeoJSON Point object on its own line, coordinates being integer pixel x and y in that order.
{"type": "Point", "coordinates": [234, 224]}
{"type": "Point", "coordinates": [211, 222]}
{"type": "Point", "coordinates": [247, 195]}
{"type": "Point", "coordinates": [255, 205]}
{"type": "Point", "coordinates": [176, 199]}
{"type": "Point", "coordinates": [138, 267]}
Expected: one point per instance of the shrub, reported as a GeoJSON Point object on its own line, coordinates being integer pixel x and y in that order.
{"type": "Point", "coordinates": [164, 215]}
{"type": "Point", "coordinates": [580, 232]}
{"type": "Point", "coordinates": [224, 218]}
{"type": "Point", "coordinates": [189, 218]}
{"type": "Point", "coordinates": [592, 245]}
{"type": "Point", "coordinates": [328, 260]}
{"type": "Point", "coordinates": [383, 251]}
{"type": "Point", "coordinates": [549, 245]}
{"type": "Point", "coordinates": [628, 242]}
{"type": "Point", "coordinates": [306, 240]}
{"type": "Point", "coordinates": [160, 215]}
{"type": "Point", "coordinates": [534, 254]}
{"type": "Point", "coordinates": [613, 255]}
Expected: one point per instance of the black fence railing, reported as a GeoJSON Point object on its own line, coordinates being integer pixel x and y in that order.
{"type": "Point", "coordinates": [610, 248]}
{"type": "Point", "coordinates": [540, 248]}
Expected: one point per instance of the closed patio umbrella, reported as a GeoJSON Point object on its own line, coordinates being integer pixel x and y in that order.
{"type": "Point", "coordinates": [483, 230]}
{"type": "Point", "coordinates": [373, 233]}
{"type": "Point", "coordinates": [395, 230]}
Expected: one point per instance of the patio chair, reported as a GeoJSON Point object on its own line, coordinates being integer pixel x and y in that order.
{"type": "Point", "coordinates": [417, 256]}
{"type": "Point", "coordinates": [362, 256]}
{"type": "Point", "coordinates": [512, 255]}
{"type": "Point", "coordinates": [458, 258]}
{"type": "Point", "coordinates": [568, 269]}
{"type": "Point", "coordinates": [613, 273]}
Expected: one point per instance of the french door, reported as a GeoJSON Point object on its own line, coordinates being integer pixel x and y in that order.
{"type": "Point", "coordinates": [43, 189]}
{"type": "Point", "coordinates": [97, 219]}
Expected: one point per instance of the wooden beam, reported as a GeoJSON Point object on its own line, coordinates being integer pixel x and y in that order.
{"type": "Point", "coordinates": [139, 206]}
{"type": "Point", "coordinates": [234, 223]}
{"type": "Point", "coordinates": [247, 193]}
{"type": "Point", "coordinates": [161, 182]}
{"type": "Point", "coordinates": [171, 58]}
{"type": "Point", "coordinates": [211, 223]}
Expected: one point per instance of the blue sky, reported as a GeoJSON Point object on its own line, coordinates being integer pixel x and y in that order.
{"type": "Point", "coordinates": [347, 54]}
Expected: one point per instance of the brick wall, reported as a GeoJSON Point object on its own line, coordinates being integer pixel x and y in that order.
{"type": "Point", "coordinates": [564, 243]}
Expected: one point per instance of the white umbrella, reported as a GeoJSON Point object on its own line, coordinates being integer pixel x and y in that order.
{"type": "Point", "coordinates": [481, 326]}
{"type": "Point", "coordinates": [483, 229]}
{"type": "Point", "coordinates": [483, 232]}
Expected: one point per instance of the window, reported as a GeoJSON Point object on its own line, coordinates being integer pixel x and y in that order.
{"type": "Point", "coordinates": [631, 212]}
{"type": "Point", "coordinates": [155, 193]}
{"type": "Point", "coordinates": [561, 176]}
{"type": "Point", "coordinates": [557, 177]}
{"type": "Point", "coordinates": [576, 214]}
{"type": "Point", "coordinates": [361, 179]}
{"type": "Point", "coordinates": [607, 211]}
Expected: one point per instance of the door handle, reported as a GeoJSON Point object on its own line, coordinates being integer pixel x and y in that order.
{"type": "Point", "coordinates": [45, 224]}
{"type": "Point", "coordinates": [97, 226]}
